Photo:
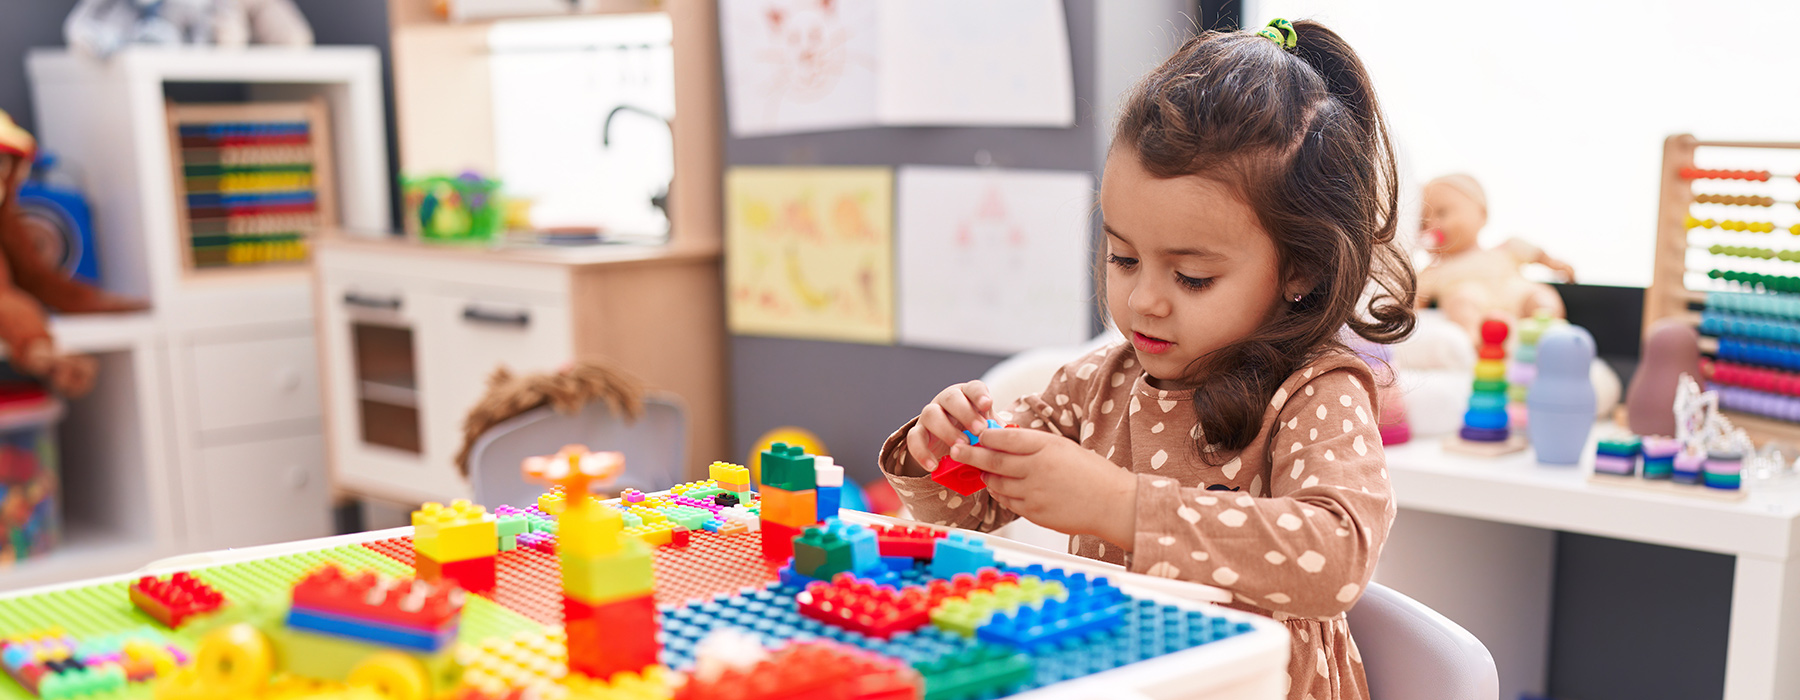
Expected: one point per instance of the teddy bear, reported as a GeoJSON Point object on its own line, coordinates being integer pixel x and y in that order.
{"type": "Point", "coordinates": [29, 283]}
{"type": "Point", "coordinates": [102, 27]}
{"type": "Point", "coordinates": [1471, 284]}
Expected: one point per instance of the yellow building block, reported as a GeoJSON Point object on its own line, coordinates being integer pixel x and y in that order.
{"type": "Point", "coordinates": [653, 684]}
{"type": "Point", "coordinates": [592, 530]}
{"type": "Point", "coordinates": [456, 532]}
{"type": "Point", "coordinates": [653, 534]}
{"type": "Point", "coordinates": [1490, 370]}
{"type": "Point", "coordinates": [552, 502]}
{"type": "Point", "coordinates": [683, 489]}
{"type": "Point", "coordinates": [797, 509]}
{"type": "Point", "coordinates": [601, 580]}
{"type": "Point", "coordinates": [726, 474]}
{"type": "Point", "coordinates": [649, 514]}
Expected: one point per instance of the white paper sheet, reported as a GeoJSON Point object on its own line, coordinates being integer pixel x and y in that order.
{"type": "Point", "coordinates": [993, 260]}
{"type": "Point", "coordinates": [799, 65]}
{"type": "Point", "coordinates": [818, 65]}
{"type": "Point", "coordinates": [975, 63]}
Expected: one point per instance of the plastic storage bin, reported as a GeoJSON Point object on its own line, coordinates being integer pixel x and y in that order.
{"type": "Point", "coordinates": [30, 521]}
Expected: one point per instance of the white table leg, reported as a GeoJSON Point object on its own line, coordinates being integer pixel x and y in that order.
{"type": "Point", "coordinates": [1493, 579]}
{"type": "Point", "coordinates": [1760, 662]}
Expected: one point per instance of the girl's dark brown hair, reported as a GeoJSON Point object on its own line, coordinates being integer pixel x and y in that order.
{"type": "Point", "coordinates": [1299, 136]}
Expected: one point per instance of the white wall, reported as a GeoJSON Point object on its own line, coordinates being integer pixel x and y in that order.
{"type": "Point", "coordinates": [1133, 37]}
{"type": "Point", "coordinates": [1560, 109]}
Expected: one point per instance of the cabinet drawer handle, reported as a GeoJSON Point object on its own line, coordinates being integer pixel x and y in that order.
{"type": "Point", "coordinates": [516, 318]}
{"type": "Point", "coordinates": [369, 302]}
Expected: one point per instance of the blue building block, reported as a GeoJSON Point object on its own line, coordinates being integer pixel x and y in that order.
{"type": "Point", "coordinates": [957, 554]}
{"type": "Point", "coordinates": [898, 564]}
{"type": "Point", "coordinates": [369, 630]}
{"type": "Point", "coordinates": [865, 547]}
{"type": "Point", "coordinates": [829, 497]}
{"type": "Point", "coordinates": [1029, 628]}
{"type": "Point", "coordinates": [712, 525]}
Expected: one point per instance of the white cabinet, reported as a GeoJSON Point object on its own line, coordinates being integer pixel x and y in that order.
{"type": "Point", "coordinates": [205, 429]}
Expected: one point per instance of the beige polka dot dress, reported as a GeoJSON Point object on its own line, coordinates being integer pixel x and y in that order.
{"type": "Point", "coordinates": [1292, 526]}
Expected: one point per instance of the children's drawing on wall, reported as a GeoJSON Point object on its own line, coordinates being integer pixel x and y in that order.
{"type": "Point", "coordinates": [991, 260]}
{"type": "Point", "coordinates": [809, 253]}
{"type": "Point", "coordinates": [799, 65]}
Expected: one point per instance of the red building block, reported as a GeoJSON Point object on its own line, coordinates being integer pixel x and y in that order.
{"type": "Point", "coordinates": [366, 595]}
{"type": "Point", "coordinates": [679, 536]}
{"type": "Point", "coordinates": [903, 541]}
{"type": "Point", "coordinates": [778, 541]}
{"type": "Point", "coordinates": [812, 670]}
{"type": "Point", "coordinates": [861, 606]}
{"type": "Point", "coordinates": [957, 476]}
{"type": "Point", "coordinates": [473, 575]}
{"type": "Point", "coordinates": [175, 600]}
{"type": "Point", "coordinates": [612, 637]}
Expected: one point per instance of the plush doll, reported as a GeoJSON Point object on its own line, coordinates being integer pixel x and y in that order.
{"type": "Point", "coordinates": [102, 27]}
{"type": "Point", "coordinates": [28, 283]}
{"type": "Point", "coordinates": [1472, 284]}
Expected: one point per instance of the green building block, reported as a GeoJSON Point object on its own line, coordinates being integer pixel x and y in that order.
{"type": "Point", "coordinates": [509, 528]}
{"type": "Point", "coordinates": [983, 670]}
{"type": "Point", "coordinates": [965, 615]}
{"type": "Point", "coordinates": [688, 517]}
{"type": "Point", "coordinates": [79, 682]}
{"type": "Point", "coordinates": [788, 467]}
{"type": "Point", "coordinates": [821, 554]}
{"type": "Point", "coordinates": [598, 580]}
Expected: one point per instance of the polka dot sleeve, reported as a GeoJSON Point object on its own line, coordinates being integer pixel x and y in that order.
{"type": "Point", "coordinates": [1059, 408]}
{"type": "Point", "coordinates": [1307, 546]}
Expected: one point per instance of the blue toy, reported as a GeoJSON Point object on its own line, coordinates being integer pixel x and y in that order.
{"type": "Point", "coordinates": [958, 554]}
{"type": "Point", "coordinates": [56, 209]}
{"type": "Point", "coordinates": [1562, 399]}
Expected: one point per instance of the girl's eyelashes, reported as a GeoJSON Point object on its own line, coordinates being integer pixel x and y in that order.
{"type": "Point", "coordinates": [1194, 283]}
{"type": "Point", "coordinates": [1123, 262]}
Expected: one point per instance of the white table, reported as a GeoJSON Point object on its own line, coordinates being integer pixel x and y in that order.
{"type": "Point", "coordinates": [1489, 566]}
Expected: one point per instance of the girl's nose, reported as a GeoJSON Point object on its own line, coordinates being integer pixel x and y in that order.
{"type": "Point", "coordinates": [1147, 300]}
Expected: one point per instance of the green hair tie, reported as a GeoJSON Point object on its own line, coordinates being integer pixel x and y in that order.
{"type": "Point", "coordinates": [1281, 32]}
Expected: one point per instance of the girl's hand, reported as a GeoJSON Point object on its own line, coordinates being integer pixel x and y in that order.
{"type": "Point", "coordinates": [1055, 482]}
{"type": "Point", "coordinates": [941, 424]}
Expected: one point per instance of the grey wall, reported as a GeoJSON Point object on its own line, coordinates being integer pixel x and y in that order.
{"type": "Point", "coordinates": [853, 395]}
{"type": "Point", "coordinates": [25, 24]}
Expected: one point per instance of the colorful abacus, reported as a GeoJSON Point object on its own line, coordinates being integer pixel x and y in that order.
{"type": "Point", "coordinates": [255, 181]}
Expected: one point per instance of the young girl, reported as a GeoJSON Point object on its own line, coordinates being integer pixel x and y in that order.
{"type": "Point", "coordinates": [1249, 201]}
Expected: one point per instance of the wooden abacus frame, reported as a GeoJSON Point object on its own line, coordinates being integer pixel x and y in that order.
{"type": "Point", "coordinates": [1668, 294]}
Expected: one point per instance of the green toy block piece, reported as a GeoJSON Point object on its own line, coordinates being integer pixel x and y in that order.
{"type": "Point", "coordinates": [967, 614]}
{"type": "Point", "coordinates": [788, 467]}
{"type": "Point", "coordinates": [599, 580]}
{"type": "Point", "coordinates": [633, 520]}
{"type": "Point", "coordinates": [688, 517]}
{"type": "Point", "coordinates": [80, 682]}
{"type": "Point", "coordinates": [984, 670]}
{"type": "Point", "coordinates": [821, 554]}
{"type": "Point", "coordinates": [704, 494]}
{"type": "Point", "coordinates": [509, 528]}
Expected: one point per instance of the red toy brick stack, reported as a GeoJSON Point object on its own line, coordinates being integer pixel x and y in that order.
{"type": "Point", "coordinates": [811, 671]}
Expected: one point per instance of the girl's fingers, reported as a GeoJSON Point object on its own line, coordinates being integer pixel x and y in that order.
{"type": "Point", "coordinates": [1018, 441]}
{"type": "Point", "coordinates": [918, 444]}
{"type": "Point", "coordinates": [987, 460]}
{"type": "Point", "coordinates": [940, 428]}
{"type": "Point", "coordinates": [961, 409]}
{"type": "Point", "coordinates": [983, 402]}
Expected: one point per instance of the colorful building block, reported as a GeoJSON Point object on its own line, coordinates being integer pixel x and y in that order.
{"type": "Point", "coordinates": [590, 531]}
{"type": "Point", "coordinates": [374, 597]}
{"type": "Point", "coordinates": [958, 477]}
{"type": "Point", "coordinates": [965, 614]}
{"type": "Point", "coordinates": [778, 540]}
{"type": "Point", "coordinates": [957, 554]}
{"type": "Point", "coordinates": [509, 527]}
{"type": "Point", "coordinates": [597, 580]}
{"type": "Point", "coordinates": [726, 475]}
{"type": "Point", "coordinates": [473, 575]}
{"type": "Point", "coordinates": [795, 509]}
{"type": "Point", "coordinates": [610, 638]}
{"type": "Point", "coordinates": [174, 600]}
{"type": "Point", "coordinates": [984, 670]}
{"type": "Point", "coordinates": [788, 467]}
{"type": "Point", "coordinates": [861, 606]}
{"type": "Point", "coordinates": [917, 542]}
{"type": "Point", "coordinates": [655, 535]}
{"type": "Point", "coordinates": [456, 532]}
{"type": "Point", "coordinates": [54, 665]}
{"type": "Point", "coordinates": [821, 554]}
{"type": "Point", "coordinates": [810, 670]}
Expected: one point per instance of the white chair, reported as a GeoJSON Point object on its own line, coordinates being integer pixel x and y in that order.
{"type": "Point", "coordinates": [654, 447]}
{"type": "Point", "coordinates": [1410, 652]}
